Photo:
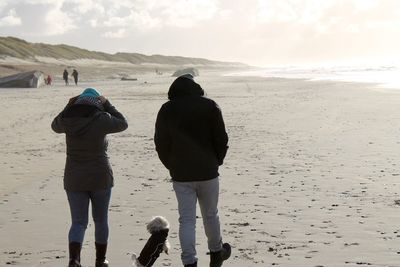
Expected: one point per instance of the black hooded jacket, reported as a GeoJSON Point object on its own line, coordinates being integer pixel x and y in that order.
{"type": "Point", "coordinates": [87, 167]}
{"type": "Point", "coordinates": [190, 135]}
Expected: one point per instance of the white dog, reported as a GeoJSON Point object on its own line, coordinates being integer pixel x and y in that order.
{"type": "Point", "coordinates": [158, 227]}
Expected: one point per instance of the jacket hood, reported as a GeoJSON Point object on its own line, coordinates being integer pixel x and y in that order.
{"type": "Point", "coordinates": [76, 126]}
{"type": "Point", "coordinates": [183, 86]}
{"type": "Point", "coordinates": [78, 119]}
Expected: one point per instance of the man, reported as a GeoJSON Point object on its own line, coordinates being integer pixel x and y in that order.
{"type": "Point", "coordinates": [191, 142]}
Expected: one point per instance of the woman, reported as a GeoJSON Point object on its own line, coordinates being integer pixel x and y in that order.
{"type": "Point", "coordinates": [88, 177]}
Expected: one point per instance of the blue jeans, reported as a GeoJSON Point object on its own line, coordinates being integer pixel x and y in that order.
{"type": "Point", "coordinates": [187, 194]}
{"type": "Point", "coordinates": [79, 206]}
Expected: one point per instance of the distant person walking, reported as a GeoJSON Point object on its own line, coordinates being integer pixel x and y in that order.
{"type": "Point", "coordinates": [48, 80]}
{"type": "Point", "coordinates": [65, 77]}
{"type": "Point", "coordinates": [75, 75]}
{"type": "Point", "coordinates": [191, 142]}
{"type": "Point", "coordinates": [88, 178]}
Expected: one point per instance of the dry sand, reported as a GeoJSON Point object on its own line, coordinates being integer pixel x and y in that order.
{"type": "Point", "coordinates": [311, 177]}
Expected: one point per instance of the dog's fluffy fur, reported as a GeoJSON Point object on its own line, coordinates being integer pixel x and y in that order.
{"type": "Point", "coordinates": [156, 225]}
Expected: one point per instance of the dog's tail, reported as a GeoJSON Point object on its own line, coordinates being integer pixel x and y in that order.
{"type": "Point", "coordinates": [135, 261]}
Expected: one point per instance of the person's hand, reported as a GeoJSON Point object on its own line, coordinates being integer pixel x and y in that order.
{"type": "Point", "coordinates": [72, 100]}
{"type": "Point", "coordinates": [103, 99]}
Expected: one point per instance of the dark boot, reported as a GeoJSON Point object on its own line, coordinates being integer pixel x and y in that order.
{"type": "Point", "coordinates": [74, 254]}
{"type": "Point", "coordinates": [101, 250]}
{"type": "Point", "coordinates": [191, 265]}
{"type": "Point", "coordinates": [217, 258]}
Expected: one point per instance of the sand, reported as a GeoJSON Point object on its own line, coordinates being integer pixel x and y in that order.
{"type": "Point", "coordinates": [311, 177]}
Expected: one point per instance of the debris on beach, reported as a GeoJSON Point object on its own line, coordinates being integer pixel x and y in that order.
{"type": "Point", "coordinates": [128, 79]}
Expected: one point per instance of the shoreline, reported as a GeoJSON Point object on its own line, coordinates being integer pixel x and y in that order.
{"type": "Point", "coordinates": [383, 76]}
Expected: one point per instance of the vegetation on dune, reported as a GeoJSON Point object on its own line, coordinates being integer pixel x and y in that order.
{"type": "Point", "coordinates": [18, 48]}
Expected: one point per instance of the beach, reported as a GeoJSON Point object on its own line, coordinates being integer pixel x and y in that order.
{"type": "Point", "coordinates": [311, 177]}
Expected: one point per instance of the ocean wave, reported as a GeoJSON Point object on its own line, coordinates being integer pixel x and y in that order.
{"type": "Point", "coordinates": [384, 76]}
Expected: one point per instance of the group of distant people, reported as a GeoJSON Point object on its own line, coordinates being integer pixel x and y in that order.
{"type": "Point", "coordinates": [49, 80]}
{"type": "Point", "coordinates": [74, 75]}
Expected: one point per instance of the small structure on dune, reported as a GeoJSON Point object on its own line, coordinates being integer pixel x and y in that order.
{"type": "Point", "coordinates": [193, 71]}
{"type": "Point", "coordinates": [30, 79]}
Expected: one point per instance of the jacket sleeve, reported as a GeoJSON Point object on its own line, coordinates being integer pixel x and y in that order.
{"type": "Point", "coordinates": [220, 137]}
{"type": "Point", "coordinates": [162, 139]}
{"type": "Point", "coordinates": [113, 121]}
{"type": "Point", "coordinates": [57, 125]}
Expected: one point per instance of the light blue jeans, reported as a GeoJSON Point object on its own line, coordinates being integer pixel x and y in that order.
{"type": "Point", "coordinates": [79, 206]}
{"type": "Point", "coordinates": [187, 194]}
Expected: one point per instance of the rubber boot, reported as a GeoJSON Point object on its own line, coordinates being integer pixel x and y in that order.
{"type": "Point", "coordinates": [191, 265]}
{"type": "Point", "coordinates": [217, 258]}
{"type": "Point", "coordinates": [74, 254]}
{"type": "Point", "coordinates": [101, 250]}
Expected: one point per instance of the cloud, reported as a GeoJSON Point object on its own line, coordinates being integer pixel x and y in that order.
{"type": "Point", "coordinates": [143, 20]}
{"type": "Point", "coordinates": [328, 16]}
{"type": "Point", "coordinates": [57, 17]}
{"type": "Point", "coordinates": [120, 33]}
{"type": "Point", "coordinates": [42, 2]}
{"type": "Point", "coordinates": [254, 30]}
{"type": "Point", "coordinates": [225, 14]}
{"type": "Point", "coordinates": [38, 17]}
{"type": "Point", "coordinates": [57, 21]}
{"type": "Point", "coordinates": [11, 19]}
{"type": "Point", "coordinates": [183, 13]}
{"type": "Point", "coordinates": [93, 23]}
{"type": "Point", "coordinates": [121, 4]}
{"type": "Point", "coordinates": [86, 6]}
{"type": "Point", "coordinates": [363, 5]}
{"type": "Point", "coordinates": [293, 10]}
{"type": "Point", "coordinates": [3, 4]}
{"type": "Point", "coordinates": [134, 19]}
{"type": "Point", "coordinates": [153, 14]}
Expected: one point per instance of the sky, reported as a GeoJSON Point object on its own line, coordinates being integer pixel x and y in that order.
{"type": "Point", "coordinates": [256, 32]}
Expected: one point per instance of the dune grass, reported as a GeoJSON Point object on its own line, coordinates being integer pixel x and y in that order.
{"type": "Point", "coordinates": [18, 48]}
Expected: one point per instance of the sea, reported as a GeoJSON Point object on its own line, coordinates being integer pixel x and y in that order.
{"type": "Point", "coordinates": [383, 76]}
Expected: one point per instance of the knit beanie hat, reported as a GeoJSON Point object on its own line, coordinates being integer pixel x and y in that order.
{"type": "Point", "coordinates": [89, 92]}
{"type": "Point", "coordinates": [90, 96]}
